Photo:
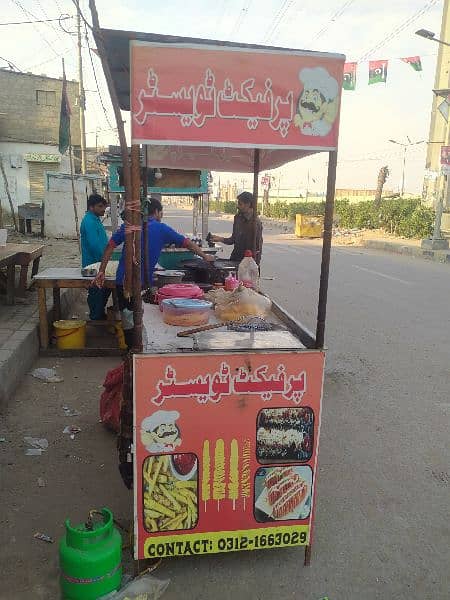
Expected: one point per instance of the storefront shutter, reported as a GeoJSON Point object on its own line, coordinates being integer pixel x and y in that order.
{"type": "Point", "coordinates": [36, 177]}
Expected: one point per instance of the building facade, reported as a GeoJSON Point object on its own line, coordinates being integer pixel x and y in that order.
{"type": "Point", "coordinates": [29, 132]}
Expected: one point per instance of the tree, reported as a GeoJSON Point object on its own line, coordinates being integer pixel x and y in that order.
{"type": "Point", "coordinates": [382, 177]}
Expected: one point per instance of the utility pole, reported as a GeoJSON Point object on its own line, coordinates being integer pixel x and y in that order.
{"type": "Point", "coordinates": [81, 92]}
{"type": "Point", "coordinates": [438, 129]}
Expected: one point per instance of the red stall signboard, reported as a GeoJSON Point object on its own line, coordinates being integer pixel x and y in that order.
{"type": "Point", "coordinates": [225, 451]}
{"type": "Point", "coordinates": [217, 97]}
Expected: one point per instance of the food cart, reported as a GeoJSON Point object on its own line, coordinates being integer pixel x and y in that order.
{"type": "Point", "coordinates": [225, 425]}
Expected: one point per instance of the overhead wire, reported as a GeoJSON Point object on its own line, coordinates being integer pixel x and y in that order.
{"type": "Point", "coordinates": [399, 29]}
{"type": "Point", "coordinates": [49, 24]}
{"type": "Point", "coordinates": [278, 19]}
{"type": "Point", "coordinates": [11, 65]}
{"type": "Point", "coordinates": [241, 17]}
{"type": "Point", "coordinates": [60, 18]}
{"type": "Point", "coordinates": [334, 17]}
{"type": "Point", "coordinates": [96, 79]}
{"type": "Point", "coordinates": [30, 14]}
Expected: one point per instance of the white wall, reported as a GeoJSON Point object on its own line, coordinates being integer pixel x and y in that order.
{"type": "Point", "coordinates": [59, 216]}
{"type": "Point", "coordinates": [13, 154]}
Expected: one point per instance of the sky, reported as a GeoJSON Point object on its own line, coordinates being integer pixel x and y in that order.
{"type": "Point", "coordinates": [361, 29]}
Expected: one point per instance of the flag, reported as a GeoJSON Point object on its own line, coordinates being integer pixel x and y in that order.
{"type": "Point", "coordinates": [378, 71]}
{"type": "Point", "coordinates": [414, 61]}
{"type": "Point", "coordinates": [64, 119]}
{"type": "Point", "coordinates": [349, 82]}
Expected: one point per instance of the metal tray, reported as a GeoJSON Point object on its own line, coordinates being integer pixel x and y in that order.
{"type": "Point", "coordinates": [256, 340]}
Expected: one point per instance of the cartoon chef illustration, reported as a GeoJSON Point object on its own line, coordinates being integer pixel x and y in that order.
{"type": "Point", "coordinates": [159, 432]}
{"type": "Point", "coordinates": [318, 103]}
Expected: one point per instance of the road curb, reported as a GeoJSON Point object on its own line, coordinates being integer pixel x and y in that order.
{"type": "Point", "coordinates": [21, 350]}
{"type": "Point", "coordinates": [441, 256]}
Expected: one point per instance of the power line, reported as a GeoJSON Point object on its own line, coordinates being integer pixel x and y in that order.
{"type": "Point", "coordinates": [399, 29]}
{"type": "Point", "coordinates": [11, 65]}
{"type": "Point", "coordinates": [30, 14]}
{"type": "Point", "coordinates": [95, 77]}
{"type": "Point", "coordinates": [60, 18]}
{"type": "Point", "coordinates": [278, 19]}
{"type": "Point", "coordinates": [55, 29]}
{"type": "Point", "coordinates": [334, 17]}
{"type": "Point", "coordinates": [241, 18]}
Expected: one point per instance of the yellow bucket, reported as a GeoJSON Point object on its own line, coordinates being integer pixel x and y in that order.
{"type": "Point", "coordinates": [70, 335]}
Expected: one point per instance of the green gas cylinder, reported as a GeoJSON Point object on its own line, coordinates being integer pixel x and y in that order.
{"type": "Point", "coordinates": [90, 558]}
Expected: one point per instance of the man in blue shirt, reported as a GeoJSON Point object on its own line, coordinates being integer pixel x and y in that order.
{"type": "Point", "coordinates": [159, 235]}
{"type": "Point", "coordinates": [93, 243]}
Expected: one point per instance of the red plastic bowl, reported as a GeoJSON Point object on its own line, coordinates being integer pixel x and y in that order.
{"type": "Point", "coordinates": [179, 290]}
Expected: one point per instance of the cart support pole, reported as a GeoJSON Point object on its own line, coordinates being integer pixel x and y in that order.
{"type": "Point", "coordinates": [326, 250]}
{"type": "Point", "coordinates": [136, 226]}
{"type": "Point", "coordinates": [255, 197]}
{"type": "Point", "coordinates": [145, 221]}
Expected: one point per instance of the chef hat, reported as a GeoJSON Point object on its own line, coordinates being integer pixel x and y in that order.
{"type": "Point", "coordinates": [160, 417]}
{"type": "Point", "coordinates": [319, 79]}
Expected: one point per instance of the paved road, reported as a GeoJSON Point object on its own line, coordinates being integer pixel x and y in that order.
{"type": "Point", "coordinates": [383, 488]}
{"type": "Point", "coordinates": [382, 526]}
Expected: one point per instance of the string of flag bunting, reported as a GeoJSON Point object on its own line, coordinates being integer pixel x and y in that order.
{"type": "Point", "coordinates": [378, 71]}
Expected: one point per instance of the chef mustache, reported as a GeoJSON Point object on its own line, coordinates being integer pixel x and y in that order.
{"type": "Point", "coordinates": [310, 106]}
{"type": "Point", "coordinates": [168, 433]}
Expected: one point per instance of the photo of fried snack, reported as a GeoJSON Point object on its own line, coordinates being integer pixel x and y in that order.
{"type": "Point", "coordinates": [170, 492]}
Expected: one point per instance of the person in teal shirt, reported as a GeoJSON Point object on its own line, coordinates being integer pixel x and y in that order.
{"type": "Point", "coordinates": [94, 240]}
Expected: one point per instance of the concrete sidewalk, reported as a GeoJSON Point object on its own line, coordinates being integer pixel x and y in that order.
{"type": "Point", "coordinates": [407, 247]}
{"type": "Point", "coordinates": [19, 324]}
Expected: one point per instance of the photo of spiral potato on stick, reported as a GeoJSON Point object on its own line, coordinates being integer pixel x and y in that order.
{"type": "Point", "coordinates": [170, 492]}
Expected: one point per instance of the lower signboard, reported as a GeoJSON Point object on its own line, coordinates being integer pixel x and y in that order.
{"type": "Point", "coordinates": [225, 451]}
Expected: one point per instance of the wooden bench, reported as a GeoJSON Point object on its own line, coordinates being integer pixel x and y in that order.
{"type": "Point", "coordinates": [21, 255]}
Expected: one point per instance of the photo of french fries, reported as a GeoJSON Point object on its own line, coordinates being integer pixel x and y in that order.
{"type": "Point", "coordinates": [170, 501]}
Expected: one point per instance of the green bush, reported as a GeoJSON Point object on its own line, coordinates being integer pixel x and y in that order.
{"type": "Point", "coordinates": [283, 210]}
{"type": "Point", "coordinates": [400, 216]}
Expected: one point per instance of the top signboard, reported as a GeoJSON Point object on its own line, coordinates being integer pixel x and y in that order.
{"type": "Point", "coordinates": [221, 97]}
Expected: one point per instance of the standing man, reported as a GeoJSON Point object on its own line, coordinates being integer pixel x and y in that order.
{"type": "Point", "coordinates": [93, 243]}
{"type": "Point", "coordinates": [159, 235]}
{"type": "Point", "coordinates": [242, 236]}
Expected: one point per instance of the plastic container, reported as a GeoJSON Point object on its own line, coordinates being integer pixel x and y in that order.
{"type": "Point", "coordinates": [231, 283]}
{"type": "Point", "coordinates": [186, 312]}
{"type": "Point", "coordinates": [248, 271]}
{"type": "Point", "coordinates": [90, 559]}
{"type": "Point", "coordinates": [70, 335]}
{"type": "Point", "coordinates": [179, 290]}
{"type": "Point", "coordinates": [171, 259]}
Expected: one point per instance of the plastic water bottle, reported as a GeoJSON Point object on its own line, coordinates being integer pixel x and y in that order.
{"type": "Point", "coordinates": [248, 271]}
{"type": "Point", "coordinates": [231, 283]}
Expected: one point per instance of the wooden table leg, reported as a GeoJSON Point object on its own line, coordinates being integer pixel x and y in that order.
{"type": "Point", "coordinates": [28, 226]}
{"type": "Point", "coordinates": [23, 280]}
{"type": "Point", "coordinates": [56, 304]}
{"type": "Point", "coordinates": [22, 225]}
{"type": "Point", "coordinates": [35, 268]}
{"type": "Point", "coordinates": [43, 321]}
{"type": "Point", "coordinates": [10, 283]}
